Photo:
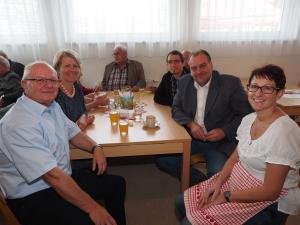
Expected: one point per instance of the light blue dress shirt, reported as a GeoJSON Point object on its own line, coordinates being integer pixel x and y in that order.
{"type": "Point", "coordinates": [33, 140]}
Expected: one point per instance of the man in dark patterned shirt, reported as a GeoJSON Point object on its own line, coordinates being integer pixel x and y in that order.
{"type": "Point", "coordinates": [123, 72]}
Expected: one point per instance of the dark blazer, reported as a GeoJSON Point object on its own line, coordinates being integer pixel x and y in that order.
{"type": "Point", "coordinates": [225, 107]}
{"type": "Point", "coordinates": [136, 76]}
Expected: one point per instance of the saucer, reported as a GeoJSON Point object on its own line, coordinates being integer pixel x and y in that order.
{"type": "Point", "coordinates": [157, 125]}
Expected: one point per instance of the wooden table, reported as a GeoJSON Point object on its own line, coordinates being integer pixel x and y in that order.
{"type": "Point", "coordinates": [169, 138]}
{"type": "Point", "coordinates": [290, 106]}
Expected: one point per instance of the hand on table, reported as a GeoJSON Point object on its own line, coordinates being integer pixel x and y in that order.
{"type": "Point", "coordinates": [84, 121]}
{"type": "Point", "coordinates": [101, 100]}
{"type": "Point", "coordinates": [151, 88]}
{"type": "Point", "coordinates": [135, 89]}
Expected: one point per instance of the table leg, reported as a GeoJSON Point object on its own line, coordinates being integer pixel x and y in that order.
{"type": "Point", "coordinates": [186, 157]}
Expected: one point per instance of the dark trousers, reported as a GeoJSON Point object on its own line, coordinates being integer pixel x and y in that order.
{"type": "Point", "coordinates": [48, 208]}
{"type": "Point", "coordinates": [214, 158]}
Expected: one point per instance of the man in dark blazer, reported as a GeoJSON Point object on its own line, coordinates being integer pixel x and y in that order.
{"type": "Point", "coordinates": [123, 72]}
{"type": "Point", "coordinates": [166, 90]}
{"type": "Point", "coordinates": [211, 107]}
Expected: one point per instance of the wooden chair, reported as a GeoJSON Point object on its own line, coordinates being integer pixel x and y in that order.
{"type": "Point", "coordinates": [9, 217]}
{"type": "Point", "coordinates": [197, 158]}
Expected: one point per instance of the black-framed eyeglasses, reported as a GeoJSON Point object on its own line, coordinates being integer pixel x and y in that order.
{"type": "Point", "coordinates": [44, 81]}
{"type": "Point", "coordinates": [263, 89]}
{"type": "Point", "coordinates": [176, 61]}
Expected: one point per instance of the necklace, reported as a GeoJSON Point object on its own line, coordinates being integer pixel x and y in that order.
{"type": "Point", "coordinates": [67, 92]}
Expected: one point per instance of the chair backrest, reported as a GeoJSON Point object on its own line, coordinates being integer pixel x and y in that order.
{"type": "Point", "coordinates": [9, 217]}
{"type": "Point", "coordinates": [197, 158]}
{"type": "Point", "coordinates": [4, 110]}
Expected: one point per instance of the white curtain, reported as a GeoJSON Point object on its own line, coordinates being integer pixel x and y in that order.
{"type": "Point", "coordinates": [36, 29]}
{"type": "Point", "coordinates": [247, 27]}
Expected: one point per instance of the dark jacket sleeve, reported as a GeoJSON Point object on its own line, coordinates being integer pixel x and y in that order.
{"type": "Point", "coordinates": [185, 101]}
{"type": "Point", "coordinates": [14, 89]}
{"type": "Point", "coordinates": [107, 71]}
{"type": "Point", "coordinates": [163, 94]}
{"type": "Point", "coordinates": [141, 75]}
{"type": "Point", "coordinates": [136, 75]}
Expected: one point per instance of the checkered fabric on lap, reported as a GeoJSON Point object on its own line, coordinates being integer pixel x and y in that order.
{"type": "Point", "coordinates": [233, 213]}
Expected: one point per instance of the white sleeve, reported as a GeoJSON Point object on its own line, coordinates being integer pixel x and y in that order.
{"type": "Point", "coordinates": [284, 144]}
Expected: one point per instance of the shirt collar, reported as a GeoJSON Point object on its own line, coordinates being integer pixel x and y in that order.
{"type": "Point", "coordinates": [123, 66]}
{"type": "Point", "coordinates": [197, 86]}
{"type": "Point", "coordinates": [34, 106]}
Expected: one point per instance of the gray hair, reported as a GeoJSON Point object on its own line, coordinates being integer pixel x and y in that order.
{"type": "Point", "coordinates": [4, 62]}
{"type": "Point", "coordinates": [2, 53]}
{"type": "Point", "coordinates": [65, 53]}
{"type": "Point", "coordinates": [121, 47]}
{"type": "Point", "coordinates": [29, 67]}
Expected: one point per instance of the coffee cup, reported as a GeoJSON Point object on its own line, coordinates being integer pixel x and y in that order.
{"type": "Point", "coordinates": [150, 121]}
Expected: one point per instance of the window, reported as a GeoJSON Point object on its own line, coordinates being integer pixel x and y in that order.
{"type": "Point", "coordinates": [119, 20]}
{"type": "Point", "coordinates": [17, 26]}
{"type": "Point", "coordinates": [38, 28]}
{"type": "Point", "coordinates": [246, 19]}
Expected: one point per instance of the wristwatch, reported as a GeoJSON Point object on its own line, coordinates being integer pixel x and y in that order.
{"type": "Point", "coordinates": [227, 195]}
{"type": "Point", "coordinates": [96, 146]}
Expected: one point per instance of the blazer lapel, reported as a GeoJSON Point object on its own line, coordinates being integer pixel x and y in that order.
{"type": "Point", "coordinates": [193, 97]}
{"type": "Point", "coordinates": [212, 93]}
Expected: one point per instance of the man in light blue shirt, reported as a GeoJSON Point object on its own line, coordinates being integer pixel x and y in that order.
{"type": "Point", "coordinates": [35, 170]}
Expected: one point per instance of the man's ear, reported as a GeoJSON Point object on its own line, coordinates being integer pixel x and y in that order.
{"type": "Point", "coordinates": [24, 84]}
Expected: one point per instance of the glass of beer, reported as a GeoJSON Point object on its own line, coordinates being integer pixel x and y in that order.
{"type": "Point", "coordinates": [123, 126]}
{"type": "Point", "coordinates": [114, 117]}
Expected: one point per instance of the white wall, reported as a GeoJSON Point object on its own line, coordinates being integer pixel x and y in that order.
{"type": "Point", "coordinates": [155, 67]}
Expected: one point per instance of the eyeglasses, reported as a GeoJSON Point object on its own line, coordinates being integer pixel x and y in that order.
{"type": "Point", "coordinates": [176, 61]}
{"type": "Point", "coordinates": [263, 89]}
{"type": "Point", "coordinates": [44, 81]}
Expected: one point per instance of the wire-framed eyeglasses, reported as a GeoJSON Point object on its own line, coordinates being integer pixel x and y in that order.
{"type": "Point", "coordinates": [263, 89]}
{"type": "Point", "coordinates": [44, 81]}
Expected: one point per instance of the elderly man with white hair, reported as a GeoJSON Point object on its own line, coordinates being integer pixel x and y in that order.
{"type": "Point", "coordinates": [10, 87]}
{"type": "Point", "coordinates": [123, 72]}
{"type": "Point", "coordinates": [36, 176]}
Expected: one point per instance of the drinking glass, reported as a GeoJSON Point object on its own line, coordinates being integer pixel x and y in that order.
{"type": "Point", "coordinates": [123, 126]}
{"type": "Point", "coordinates": [114, 117]}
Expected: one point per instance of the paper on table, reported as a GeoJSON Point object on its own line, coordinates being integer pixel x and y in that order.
{"type": "Point", "coordinates": [292, 91]}
{"type": "Point", "coordinates": [291, 96]}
